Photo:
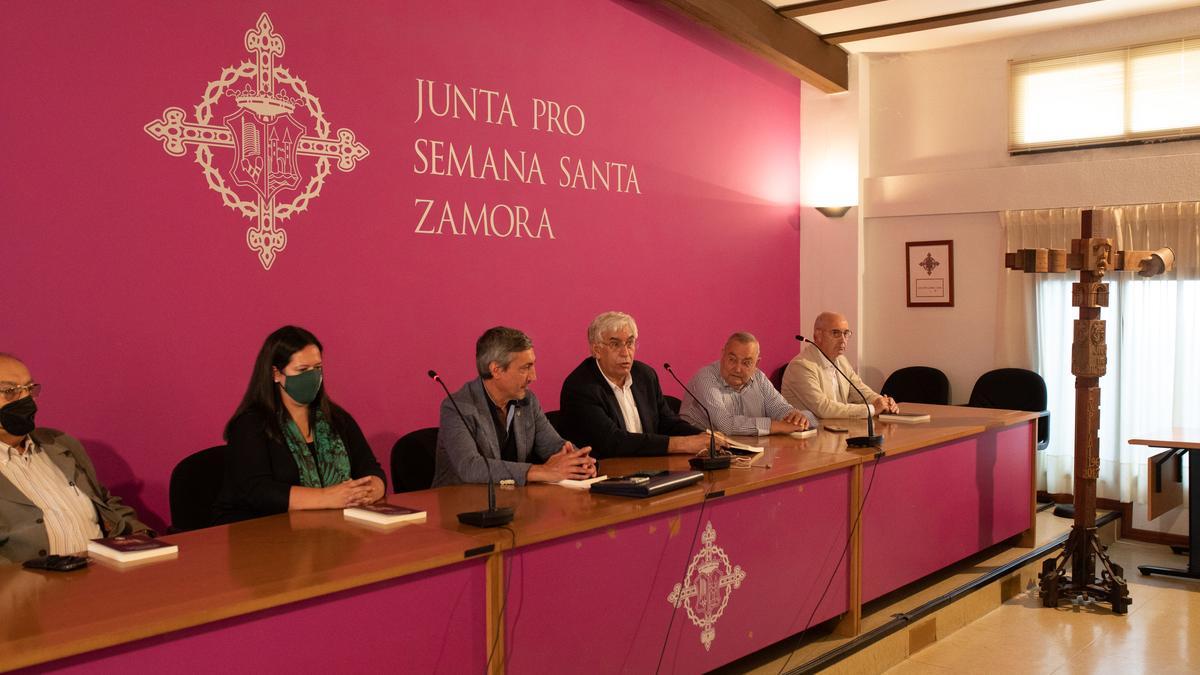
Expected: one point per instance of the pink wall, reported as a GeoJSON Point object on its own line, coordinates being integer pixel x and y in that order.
{"type": "Point", "coordinates": [130, 289]}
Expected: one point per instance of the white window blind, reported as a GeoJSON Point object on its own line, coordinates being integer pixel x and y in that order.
{"type": "Point", "coordinates": [1148, 92]}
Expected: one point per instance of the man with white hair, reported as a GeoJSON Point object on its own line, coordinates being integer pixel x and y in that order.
{"type": "Point", "coordinates": [811, 382]}
{"type": "Point", "coordinates": [614, 403]}
{"type": "Point", "coordinates": [740, 398]}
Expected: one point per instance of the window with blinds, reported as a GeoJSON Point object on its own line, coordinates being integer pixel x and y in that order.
{"type": "Point", "coordinates": [1136, 94]}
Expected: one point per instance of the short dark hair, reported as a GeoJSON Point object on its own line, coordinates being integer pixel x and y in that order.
{"type": "Point", "coordinates": [262, 394]}
{"type": "Point", "coordinates": [497, 345]}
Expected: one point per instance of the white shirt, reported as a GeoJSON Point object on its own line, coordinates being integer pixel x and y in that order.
{"type": "Point", "coordinates": [832, 376]}
{"type": "Point", "coordinates": [624, 394]}
{"type": "Point", "coordinates": [68, 514]}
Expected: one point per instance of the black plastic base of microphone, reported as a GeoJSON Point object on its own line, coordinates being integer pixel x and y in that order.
{"type": "Point", "coordinates": [865, 442]}
{"type": "Point", "coordinates": [490, 518]}
{"type": "Point", "coordinates": [709, 463]}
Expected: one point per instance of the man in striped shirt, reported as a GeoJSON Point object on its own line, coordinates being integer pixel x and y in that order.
{"type": "Point", "coordinates": [739, 396]}
{"type": "Point", "coordinates": [51, 502]}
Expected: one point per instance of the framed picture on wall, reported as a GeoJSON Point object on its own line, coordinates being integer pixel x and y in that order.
{"type": "Point", "coordinates": [930, 273]}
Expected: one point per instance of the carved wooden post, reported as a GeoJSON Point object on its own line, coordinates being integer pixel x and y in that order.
{"type": "Point", "coordinates": [1089, 360]}
{"type": "Point", "coordinates": [1093, 257]}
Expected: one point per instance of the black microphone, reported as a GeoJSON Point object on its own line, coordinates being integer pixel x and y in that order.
{"type": "Point", "coordinates": [713, 461]}
{"type": "Point", "coordinates": [871, 440]}
{"type": "Point", "coordinates": [492, 517]}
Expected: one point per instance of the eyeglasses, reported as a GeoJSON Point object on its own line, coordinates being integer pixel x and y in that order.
{"type": "Point", "coordinates": [616, 345]}
{"type": "Point", "coordinates": [12, 393]}
{"type": "Point", "coordinates": [839, 334]}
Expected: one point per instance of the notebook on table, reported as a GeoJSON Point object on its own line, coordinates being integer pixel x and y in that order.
{"type": "Point", "coordinates": [647, 484]}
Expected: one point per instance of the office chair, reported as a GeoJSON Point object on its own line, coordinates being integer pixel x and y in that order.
{"type": "Point", "coordinates": [555, 418]}
{"type": "Point", "coordinates": [673, 403]}
{"type": "Point", "coordinates": [1014, 389]}
{"type": "Point", "coordinates": [413, 460]}
{"type": "Point", "coordinates": [194, 486]}
{"type": "Point", "coordinates": [918, 384]}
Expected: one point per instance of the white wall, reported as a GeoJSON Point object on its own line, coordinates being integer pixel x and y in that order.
{"type": "Point", "coordinates": [833, 144]}
{"type": "Point", "coordinates": [939, 169]}
{"type": "Point", "coordinates": [934, 164]}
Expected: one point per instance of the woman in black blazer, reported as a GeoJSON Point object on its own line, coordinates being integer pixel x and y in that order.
{"type": "Point", "coordinates": [290, 446]}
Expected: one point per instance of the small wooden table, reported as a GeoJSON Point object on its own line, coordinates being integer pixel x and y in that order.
{"type": "Point", "coordinates": [1178, 441]}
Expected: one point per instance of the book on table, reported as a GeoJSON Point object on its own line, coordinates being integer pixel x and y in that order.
{"type": "Point", "coordinates": [904, 418]}
{"type": "Point", "coordinates": [384, 514]}
{"type": "Point", "coordinates": [807, 433]}
{"type": "Point", "coordinates": [739, 448]}
{"type": "Point", "coordinates": [131, 548]}
{"type": "Point", "coordinates": [580, 484]}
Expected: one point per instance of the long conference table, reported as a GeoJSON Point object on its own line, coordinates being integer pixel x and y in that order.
{"type": "Point", "coordinates": [682, 582]}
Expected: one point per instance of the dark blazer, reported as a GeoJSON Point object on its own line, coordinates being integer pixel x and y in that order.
{"type": "Point", "coordinates": [593, 417]}
{"type": "Point", "coordinates": [457, 459]}
{"type": "Point", "coordinates": [22, 534]}
{"type": "Point", "coordinates": [260, 472]}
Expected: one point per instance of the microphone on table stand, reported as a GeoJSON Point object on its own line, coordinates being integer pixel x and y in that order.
{"type": "Point", "coordinates": [871, 440]}
{"type": "Point", "coordinates": [492, 517]}
{"type": "Point", "coordinates": [713, 460]}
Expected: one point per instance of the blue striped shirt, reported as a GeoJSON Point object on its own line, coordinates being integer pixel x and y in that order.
{"type": "Point", "coordinates": [745, 412]}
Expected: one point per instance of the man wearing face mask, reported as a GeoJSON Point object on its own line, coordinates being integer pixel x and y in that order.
{"type": "Point", "coordinates": [51, 502]}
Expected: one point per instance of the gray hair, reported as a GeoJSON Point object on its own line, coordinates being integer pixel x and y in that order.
{"type": "Point", "coordinates": [741, 337]}
{"type": "Point", "coordinates": [610, 322]}
{"type": "Point", "coordinates": [497, 345]}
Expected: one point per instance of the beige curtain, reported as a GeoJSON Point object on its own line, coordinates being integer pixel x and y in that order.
{"type": "Point", "coordinates": [1151, 329]}
{"type": "Point", "coordinates": [1016, 322]}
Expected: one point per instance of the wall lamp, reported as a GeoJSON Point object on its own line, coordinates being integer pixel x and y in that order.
{"type": "Point", "coordinates": [833, 211]}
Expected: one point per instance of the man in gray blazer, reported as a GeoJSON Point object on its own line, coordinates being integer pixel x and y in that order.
{"type": "Point", "coordinates": [50, 499]}
{"type": "Point", "coordinates": [503, 417]}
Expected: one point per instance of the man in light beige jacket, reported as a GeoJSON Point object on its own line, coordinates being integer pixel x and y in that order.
{"type": "Point", "coordinates": [811, 383]}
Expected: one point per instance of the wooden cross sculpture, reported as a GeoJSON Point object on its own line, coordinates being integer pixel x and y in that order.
{"type": "Point", "coordinates": [1092, 256]}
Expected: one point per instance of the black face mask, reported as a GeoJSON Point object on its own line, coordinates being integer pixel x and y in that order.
{"type": "Point", "coordinates": [17, 417]}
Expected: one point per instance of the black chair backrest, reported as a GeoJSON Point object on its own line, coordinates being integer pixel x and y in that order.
{"type": "Point", "coordinates": [918, 384]}
{"type": "Point", "coordinates": [673, 403]}
{"type": "Point", "coordinates": [555, 418]}
{"type": "Point", "coordinates": [1014, 389]}
{"type": "Point", "coordinates": [777, 377]}
{"type": "Point", "coordinates": [414, 460]}
{"type": "Point", "coordinates": [195, 484]}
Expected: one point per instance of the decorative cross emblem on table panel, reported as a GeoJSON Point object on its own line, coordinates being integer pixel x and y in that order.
{"type": "Point", "coordinates": [706, 587]}
{"type": "Point", "coordinates": [266, 139]}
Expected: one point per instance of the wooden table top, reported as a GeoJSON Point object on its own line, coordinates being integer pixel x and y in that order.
{"type": "Point", "coordinates": [254, 565]}
{"type": "Point", "coordinates": [1175, 437]}
{"type": "Point", "coordinates": [218, 573]}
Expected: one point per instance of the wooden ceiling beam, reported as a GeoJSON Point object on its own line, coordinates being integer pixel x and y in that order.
{"type": "Point", "coordinates": [956, 19]}
{"type": "Point", "coordinates": [817, 6]}
{"type": "Point", "coordinates": [782, 41]}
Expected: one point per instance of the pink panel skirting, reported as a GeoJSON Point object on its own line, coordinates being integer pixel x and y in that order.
{"type": "Point", "coordinates": [600, 601]}
{"type": "Point", "coordinates": [932, 507]}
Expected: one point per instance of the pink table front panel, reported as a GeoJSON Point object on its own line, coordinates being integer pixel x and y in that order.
{"type": "Point", "coordinates": [601, 601]}
{"type": "Point", "coordinates": [430, 622]}
{"type": "Point", "coordinates": [932, 507]}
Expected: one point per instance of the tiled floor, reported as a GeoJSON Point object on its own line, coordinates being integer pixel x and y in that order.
{"type": "Point", "coordinates": [794, 652]}
{"type": "Point", "coordinates": [1160, 634]}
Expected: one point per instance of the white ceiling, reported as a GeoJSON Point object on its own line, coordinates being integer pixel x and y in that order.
{"type": "Point", "coordinates": [894, 11]}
